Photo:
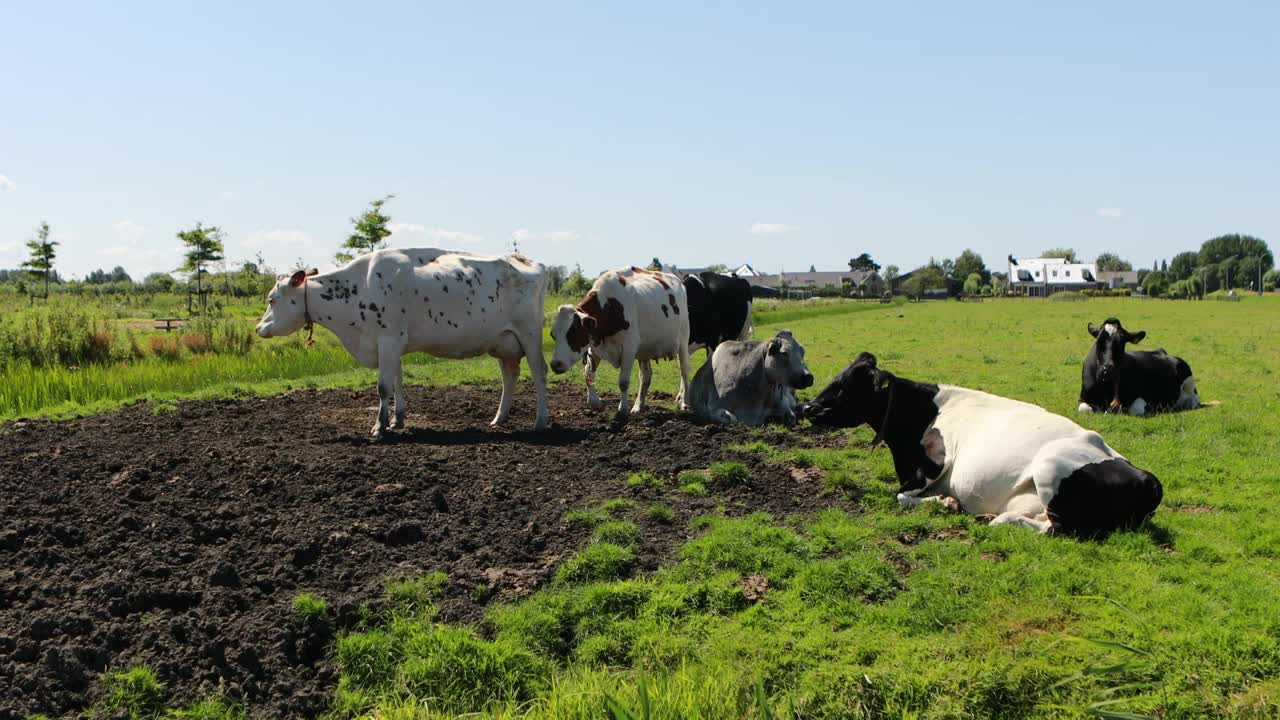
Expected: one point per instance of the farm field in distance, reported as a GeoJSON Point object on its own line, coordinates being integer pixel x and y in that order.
{"type": "Point", "coordinates": [247, 554]}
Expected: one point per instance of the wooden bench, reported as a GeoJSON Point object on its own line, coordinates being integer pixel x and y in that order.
{"type": "Point", "coordinates": [169, 323]}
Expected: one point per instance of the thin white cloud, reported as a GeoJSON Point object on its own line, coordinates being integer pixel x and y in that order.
{"type": "Point", "coordinates": [525, 235]}
{"type": "Point", "coordinates": [1110, 212]}
{"type": "Point", "coordinates": [760, 228]}
{"type": "Point", "coordinates": [129, 231]}
{"type": "Point", "coordinates": [8, 246]}
{"type": "Point", "coordinates": [7, 184]}
{"type": "Point", "coordinates": [117, 250]}
{"type": "Point", "coordinates": [277, 237]}
{"type": "Point", "coordinates": [402, 233]}
{"type": "Point", "coordinates": [227, 195]}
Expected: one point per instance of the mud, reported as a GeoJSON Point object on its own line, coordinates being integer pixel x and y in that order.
{"type": "Point", "coordinates": [180, 538]}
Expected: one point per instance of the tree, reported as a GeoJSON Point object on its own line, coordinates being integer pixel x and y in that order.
{"type": "Point", "coordinates": [1224, 246]}
{"type": "Point", "coordinates": [1248, 272]}
{"type": "Point", "coordinates": [718, 268]}
{"type": "Point", "coordinates": [1184, 265]}
{"type": "Point", "coordinates": [204, 246]}
{"type": "Point", "coordinates": [370, 232]}
{"type": "Point", "coordinates": [1164, 266]}
{"type": "Point", "coordinates": [1269, 280]}
{"type": "Point", "coordinates": [655, 264]}
{"type": "Point", "coordinates": [40, 265]}
{"type": "Point", "coordinates": [1227, 272]}
{"type": "Point", "coordinates": [970, 263]}
{"type": "Point", "coordinates": [1067, 254]}
{"type": "Point", "coordinates": [556, 275]}
{"type": "Point", "coordinates": [1110, 262]}
{"type": "Point", "coordinates": [999, 281]}
{"type": "Point", "coordinates": [864, 262]}
{"type": "Point", "coordinates": [889, 275]}
{"type": "Point", "coordinates": [972, 284]}
{"type": "Point", "coordinates": [813, 268]}
{"type": "Point", "coordinates": [577, 284]}
{"type": "Point", "coordinates": [925, 278]}
{"type": "Point", "coordinates": [158, 282]}
{"type": "Point", "coordinates": [1156, 284]}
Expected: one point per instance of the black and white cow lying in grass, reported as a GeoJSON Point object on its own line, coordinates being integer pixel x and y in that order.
{"type": "Point", "coordinates": [454, 305]}
{"type": "Point", "coordinates": [989, 455]}
{"type": "Point", "coordinates": [1133, 381]}
{"type": "Point", "coordinates": [751, 382]}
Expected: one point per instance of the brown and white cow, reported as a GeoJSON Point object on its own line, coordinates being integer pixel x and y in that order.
{"type": "Point", "coordinates": [630, 315]}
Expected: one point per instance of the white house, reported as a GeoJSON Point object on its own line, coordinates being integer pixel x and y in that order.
{"type": "Point", "coordinates": [1038, 277]}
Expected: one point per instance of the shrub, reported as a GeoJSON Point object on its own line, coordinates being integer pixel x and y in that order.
{"type": "Point", "coordinates": [597, 561]}
{"type": "Point", "coordinates": [310, 607]}
{"type": "Point", "coordinates": [729, 473]}
{"type": "Point", "coordinates": [166, 348]}
{"type": "Point", "coordinates": [136, 692]}
{"type": "Point", "coordinates": [196, 343]}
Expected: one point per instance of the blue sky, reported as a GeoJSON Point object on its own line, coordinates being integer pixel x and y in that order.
{"type": "Point", "coordinates": [783, 135]}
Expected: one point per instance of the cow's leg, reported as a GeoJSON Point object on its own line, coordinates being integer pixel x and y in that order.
{"type": "Point", "coordinates": [400, 406]}
{"type": "Point", "coordinates": [388, 377]}
{"type": "Point", "coordinates": [646, 377]}
{"type": "Point", "coordinates": [910, 501]}
{"type": "Point", "coordinates": [682, 399]}
{"type": "Point", "coordinates": [724, 417]}
{"type": "Point", "coordinates": [1040, 523]}
{"type": "Point", "coordinates": [510, 367]}
{"type": "Point", "coordinates": [590, 362]}
{"type": "Point", "coordinates": [1084, 407]}
{"type": "Point", "coordinates": [624, 380]}
{"type": "Point", "coordinates": [538, 371]}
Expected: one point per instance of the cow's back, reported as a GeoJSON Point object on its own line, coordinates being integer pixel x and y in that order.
{"type": "Point", "coordinates": [655, 308]}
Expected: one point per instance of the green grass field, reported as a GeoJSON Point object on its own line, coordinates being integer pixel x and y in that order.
{"type": "Point", "coordinates": [1176, 621]}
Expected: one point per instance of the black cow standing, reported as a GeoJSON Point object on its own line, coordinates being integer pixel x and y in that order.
{"type": "Point", "coordinates": [719, 309]}
{"type": "Point", "coordinates": [1133, 381]}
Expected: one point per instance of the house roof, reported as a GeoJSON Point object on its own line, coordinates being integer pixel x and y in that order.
{"type": "Point", "coordinates": [1054, 271]}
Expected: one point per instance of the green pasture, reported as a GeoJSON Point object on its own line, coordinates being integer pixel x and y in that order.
{"type": "Point", "coordinates": [886, 612]}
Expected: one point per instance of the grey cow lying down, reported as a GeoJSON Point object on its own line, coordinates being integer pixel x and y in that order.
{"type": "Point", "coordinates": [751, 382]}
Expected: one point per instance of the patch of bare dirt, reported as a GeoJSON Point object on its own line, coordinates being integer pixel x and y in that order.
{"type": "Point", "coordinates": [180, 539]}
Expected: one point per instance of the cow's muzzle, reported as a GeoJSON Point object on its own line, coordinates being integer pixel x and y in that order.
{"type": "Point", "coordinates": [805, 381]}
{"type": "Point", "coordinates": [558, 367]}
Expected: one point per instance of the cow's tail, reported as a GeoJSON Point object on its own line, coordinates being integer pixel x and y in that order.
{"type": "Point", "coordinates": [748, 326]}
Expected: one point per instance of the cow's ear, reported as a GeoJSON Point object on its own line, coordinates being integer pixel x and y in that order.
{"type": "Point", "coordinates": [588, 322]}
{"type": "Point", "coordinates": [865, 358]}
{"type": "Point", "coordinates": [298, 278]}
{"type": "Point", "coordinates": [1138, 336]}
{"type": "Point", "coordinates": [313, 271]}
{"type": "Point", "coordinates": [775, 346]}
{"type": "Point", "coordinates": [1093, 330]}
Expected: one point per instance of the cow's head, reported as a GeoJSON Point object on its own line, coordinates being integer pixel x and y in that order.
{"type": "Point", "coordinates": [571, 332]}
{"type": "Point", "coordinates": [848, 400]}
{"type": "Point", "coordinates": [784, 362]}
{"type": "Point", "coordinates": [286, 313]}
{"type": "Point", "coordinates": [1109, 346]}
{"type": "Point", "coordinates": [576, 328]}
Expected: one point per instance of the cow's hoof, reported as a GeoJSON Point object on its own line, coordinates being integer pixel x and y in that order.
{"type": "Point", "coordinates": [398, 424]}
{"type": "Point", "coordinates": [951, 504]}
{"type": "Point", "coordinates": [596, 405]}
{"type": "Point", "coordinates": [1085, 408]}
{"type": "Point", "coordinates": [378, 433]}
{"type": "Point", "coordinates": [542, 424]}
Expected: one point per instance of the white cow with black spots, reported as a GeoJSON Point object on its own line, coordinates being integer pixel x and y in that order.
{"type": "Point", "coordinates": [448, 304]}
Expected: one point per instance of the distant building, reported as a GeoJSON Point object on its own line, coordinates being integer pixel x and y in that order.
{"type": "Point", "coordinates": [855, 282]}
{"type": "Point", "coordinates": [1040, 277]}
{"type": "Point", "coordinates": [1117, 279]}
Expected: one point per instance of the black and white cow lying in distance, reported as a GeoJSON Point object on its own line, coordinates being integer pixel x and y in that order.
{"type": "Point", "coordinates": [989, 455]}
{"type": "Point", "coordinates": [397, 301]}
{"type": "Point", "coordinates": [719, 310]}
{"type": "Point", "coordinates": [751, 382]}
{"type": "Point", "coordinates": [1133, 381]}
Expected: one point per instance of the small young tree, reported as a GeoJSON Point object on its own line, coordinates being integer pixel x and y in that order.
{"type": "Point", "coordinates": [40, 265]}
{"type": "Point", "coordinates": [370, 232]}
{"type": "Point", "coordinates": [204, 247]}
{"type": "Point", "coordinates": [556, 275]}
{"type": "Point", "coordinates": [577, 284]}
{"type": "Point", "coordinates": [889, 275]}
{"type": "Point", "coordinates": [1067, 254]}
{"type": "Point", "coordinates": [972, 283]}
{"type": "Point", "coordinates": [655, 264]}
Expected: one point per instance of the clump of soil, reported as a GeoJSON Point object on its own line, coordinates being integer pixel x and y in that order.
{"type": "Point", "coordinates": [180, 539]}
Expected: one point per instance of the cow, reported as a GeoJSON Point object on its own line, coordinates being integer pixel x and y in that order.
{"type": "Point", "coordinates": [1137, 382]}
{"type": "Point", "coordinates": [989, 455]}
{"type": "Point", "coordinates": [630, 315]}
{"type": "Point", "coordinates": [751, 382]}
{"type": "Point", "coordinates": [719, 310]}
{"type": "Point", "coordinates": [448, 304]}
